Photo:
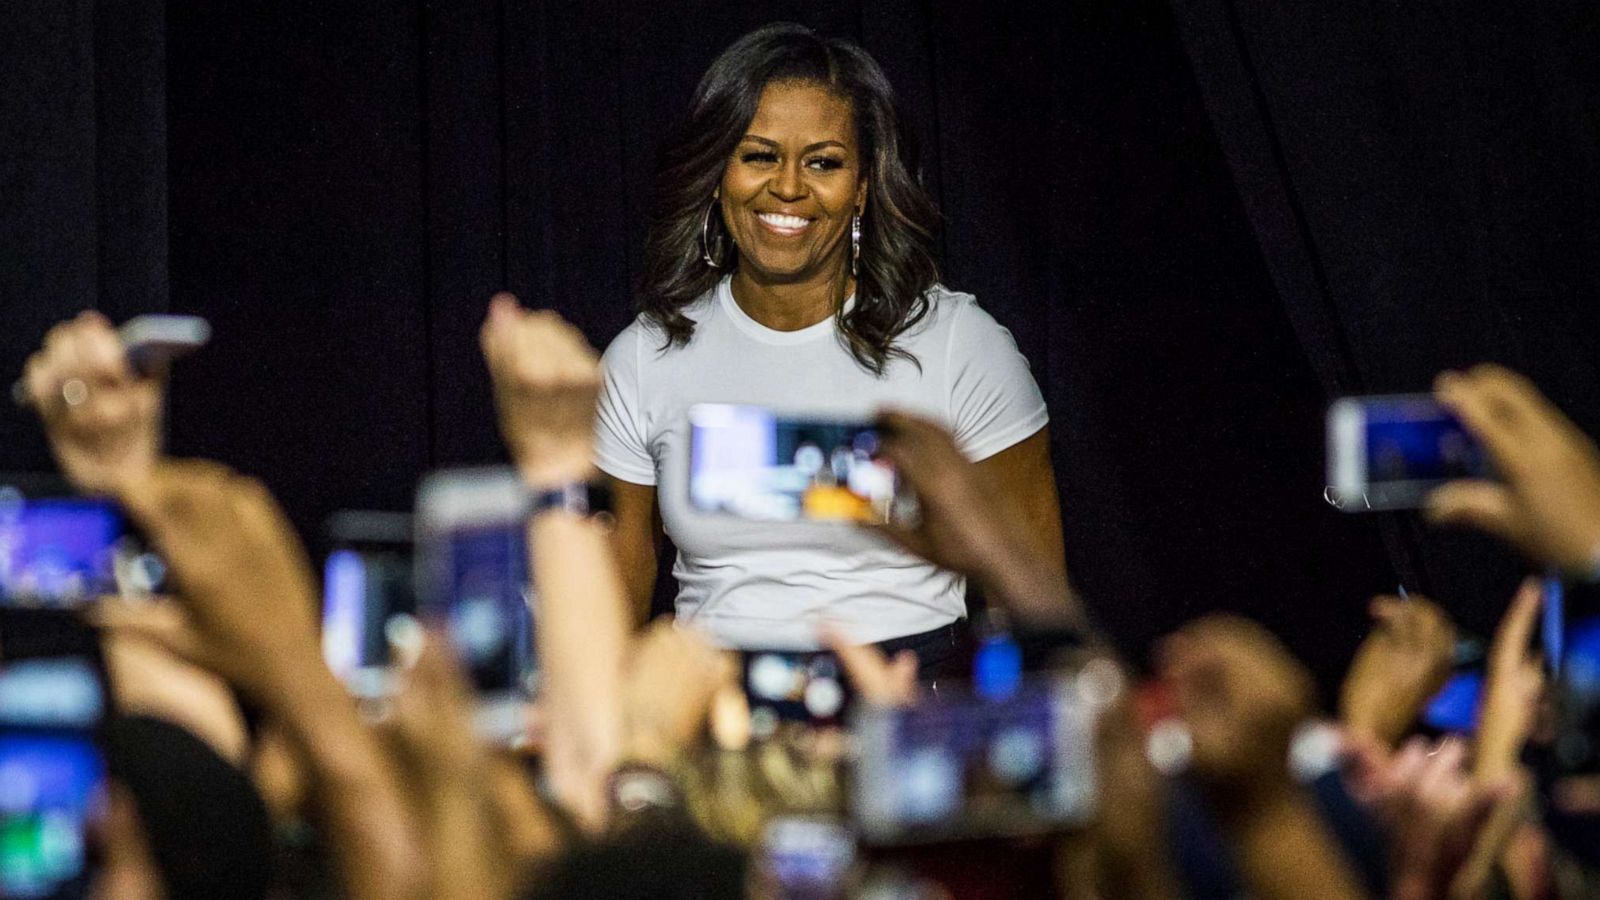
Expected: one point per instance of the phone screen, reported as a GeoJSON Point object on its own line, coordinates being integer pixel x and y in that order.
{"type": "Point", "coordinates": [807, 859]}
{"type": "Point", "coordinates": [484, 604]}
{"type": "Point", "coordinates": [795, 687]}
{"type": "Point", "coordinates": [752, 463]}
{"type": "Point", "coordinates": [362, 590]}
{"type": "Point", "coordinates": [1454, 710]}
{"type": "Point", "coordinates": [56, 551]}
{"type": "Point", "coordinates": [973, 767]}
{"type": "Point", "coordinates": [51, 774]}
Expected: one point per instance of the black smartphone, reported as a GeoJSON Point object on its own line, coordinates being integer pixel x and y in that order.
{"type": "Point", "coordinates": [52, 773]}
{"type": "Point", "coordinates": [960, 765]}
{"type": "Point", "coordinates": [794, 686]}
{"type": "Point", "coordinates": [367, 581]}
{"type": "Point", "coordinates": [755, 463]}
{"type": "Point", "coordinates": [1388, 452]}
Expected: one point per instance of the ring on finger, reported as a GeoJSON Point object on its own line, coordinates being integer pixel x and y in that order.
{"type": "Point", "coordinates": [74, 391]}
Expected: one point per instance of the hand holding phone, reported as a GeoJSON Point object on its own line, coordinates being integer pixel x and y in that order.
{"type": "Point", "coordinates": [755, 463]}
{"type": "Point", "coordinates": [102, 415]}
{"type": "Point", "coordinates": [1547, 501]}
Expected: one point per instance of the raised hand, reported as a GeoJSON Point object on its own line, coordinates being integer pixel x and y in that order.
{"type": "Point", "coordinates": [1548, 501]}
{"type": "Point", "coordinates": [1512, 686]}
{"type": "Point", "coordinates": [875, 677]}
{"type": "Point", "coordinates": [546, 382]}
{"type": "Point", "coordinates": [103, 420]}
{"type": "Point", "coordinates": [965, 528]}
{"type": "Point", "coordinates": [1403, 662]}
{"type": "Point", "coordinates": [1242, 696]}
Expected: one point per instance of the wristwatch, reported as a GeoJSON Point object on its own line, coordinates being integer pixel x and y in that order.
{"type": "Point", "coordinates": [586, 499]}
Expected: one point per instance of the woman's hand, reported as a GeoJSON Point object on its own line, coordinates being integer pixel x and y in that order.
{"type": "Point", "coordinates": [1403, 662]}
{"type": "Point", "coordinates": [546, 382]}
{"type": "Point", "coordinates": [1548, 501]}
{"type": "Point", "coordinates": [103, 420]}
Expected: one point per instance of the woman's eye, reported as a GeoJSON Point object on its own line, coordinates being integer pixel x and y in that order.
{"type": "Point", "coordinates": [759, 156]}
{"type": "Point", "coordinates": [826, 163]}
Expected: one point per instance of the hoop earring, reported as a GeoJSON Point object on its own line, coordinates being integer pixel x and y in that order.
{"type": "Point", "coordinates": [705, 238]}
{"type": "Point", "coordinates": [855, 244]}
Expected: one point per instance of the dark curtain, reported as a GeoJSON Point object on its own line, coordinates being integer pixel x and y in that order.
{"type": "Point", "coordinates": [349, 182]}
{"type": "Point", "coordinates": [1424, 183]}
{"type": "Point", "coordinates": [83, 202]}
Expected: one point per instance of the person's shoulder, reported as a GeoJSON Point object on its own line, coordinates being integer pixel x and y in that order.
{"type": "Point", "coordinates": [946, 308]}
{"type": "Point", "coordinates": [646, 338]}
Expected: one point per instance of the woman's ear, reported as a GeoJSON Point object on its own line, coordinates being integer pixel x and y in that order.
{"type": "Point", "coordinates": [861, 197]}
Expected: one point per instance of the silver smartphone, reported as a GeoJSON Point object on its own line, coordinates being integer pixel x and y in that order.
{"type": "Point", "coordinates": [1388, 452]}
{"type": "Point", "coordinates": [473, 579]}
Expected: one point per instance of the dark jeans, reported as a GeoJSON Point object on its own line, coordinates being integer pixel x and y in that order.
{"type": "Point", "coordinates": [942, 654]}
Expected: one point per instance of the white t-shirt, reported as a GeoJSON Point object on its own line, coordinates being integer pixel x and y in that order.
{"type": "Point", "coordinates": [766, 585]}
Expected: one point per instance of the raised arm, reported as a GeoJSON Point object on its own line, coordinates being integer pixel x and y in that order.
{"type": "Point", "coordinates": [250, 605]}
{"type": "Point", "coordinates": [546, 381]}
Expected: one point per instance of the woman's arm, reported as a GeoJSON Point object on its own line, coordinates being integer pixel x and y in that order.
{"type": "Point", "coordinates": [1026, 483]}
{"type": "Point", "coordinates": [638, 533]}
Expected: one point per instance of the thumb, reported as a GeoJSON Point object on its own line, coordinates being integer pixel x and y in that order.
{"type": "Point", "coordinates": [1475, 503]}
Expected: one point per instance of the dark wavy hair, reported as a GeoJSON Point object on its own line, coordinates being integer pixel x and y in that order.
{"type": "Point", "coordinates": [897, 265]}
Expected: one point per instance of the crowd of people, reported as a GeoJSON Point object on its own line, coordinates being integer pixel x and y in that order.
{"type": "Point", "coordinates": [637, 777]}
{"type": "Point", "coordinates": [792, 255]}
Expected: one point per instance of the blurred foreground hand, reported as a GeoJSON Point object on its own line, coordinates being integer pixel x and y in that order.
{"type": "Point", "coordinates": [1547, 502]}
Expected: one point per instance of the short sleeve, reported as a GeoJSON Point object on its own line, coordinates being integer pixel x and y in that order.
{"type": "Point", "coordinates": [994, 401]}
{"type": "Point", "coordinates": [621, 444]}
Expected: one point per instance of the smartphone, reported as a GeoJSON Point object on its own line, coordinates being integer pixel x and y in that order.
{"type": "Point", "coordinates": [52, 774]}
{"type": "Point", "coordinates": [1388, 452]}
{"type": "Point", "coordinates": [57, 551]}
{"type": "Point", "coordinates": [803, 858]}
{"type": "Point", "coordinates": [961, 766]}
{"type": "Point", "coordinates": [472, 576]}
{"type": "Point", "coordinates": [794, 686]}
{"type": "Point", "coordinates": [367, 581]}
{"type": "Point", "coordinates": [751, 462]}
{"type": "Point", "coordinates": [152, 342]}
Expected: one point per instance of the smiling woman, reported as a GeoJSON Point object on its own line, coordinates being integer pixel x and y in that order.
{"type": "Point", "coordinates": [790, 265]}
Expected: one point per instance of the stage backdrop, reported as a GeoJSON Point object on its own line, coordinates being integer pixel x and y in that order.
{"type": "Point", "coordinates": [346, 184]}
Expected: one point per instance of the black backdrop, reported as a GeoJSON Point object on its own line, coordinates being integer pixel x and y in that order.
{"type": "Point", "coordinates": [1198, 221]}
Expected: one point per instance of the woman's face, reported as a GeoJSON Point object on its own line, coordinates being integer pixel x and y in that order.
{"type": "Point", "coordinates": [793, 183]}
